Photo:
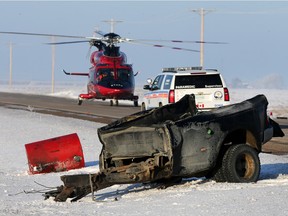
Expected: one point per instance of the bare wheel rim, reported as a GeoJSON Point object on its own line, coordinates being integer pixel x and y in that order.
{"type": "Point", "coordinates": [245, 166]}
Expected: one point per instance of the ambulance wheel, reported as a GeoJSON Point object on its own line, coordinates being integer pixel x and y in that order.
{"type": "Point", "coordinates": [143, 108]}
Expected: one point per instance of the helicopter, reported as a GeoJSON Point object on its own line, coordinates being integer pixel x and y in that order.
{"type": "Point", "coordinates": [110, 76]}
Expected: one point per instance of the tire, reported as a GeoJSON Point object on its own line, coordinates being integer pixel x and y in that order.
{"type": "Point", "coordinates": [217, 173]}
{"type": "Point", "coordinates": [80, 102]}
{"type": "Point", "coordinates": [136, 103]}
{"type": "Point", "coordinates": [241, 164]}
{"type": "Point", "coordinates": [143, 108]}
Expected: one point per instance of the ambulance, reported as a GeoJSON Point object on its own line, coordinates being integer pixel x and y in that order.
{"type": "Point", "coordinates": [172, 84]}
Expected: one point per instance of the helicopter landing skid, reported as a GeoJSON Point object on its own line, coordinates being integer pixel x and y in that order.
{"type": "Point", "coordinates": [80, 101]}
{"type": "Point", "coordinates": [114, 101]}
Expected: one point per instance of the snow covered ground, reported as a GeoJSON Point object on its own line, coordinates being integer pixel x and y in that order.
{"type": "Point", "coordinates": [18, 189]}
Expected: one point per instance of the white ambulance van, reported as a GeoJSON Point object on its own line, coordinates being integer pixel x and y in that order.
{"type": "Point", "coordinates": [172, 84]}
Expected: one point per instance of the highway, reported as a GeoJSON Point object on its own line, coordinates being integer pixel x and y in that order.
{"type": "Point", "coordinates": [99, 111]}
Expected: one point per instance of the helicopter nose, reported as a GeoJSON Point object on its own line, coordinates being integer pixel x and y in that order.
{"type": "Point", "coordinates": [116, 85]}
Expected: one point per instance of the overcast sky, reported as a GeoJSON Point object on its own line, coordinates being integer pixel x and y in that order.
{"type": "Point", "coordinates": [255, 32]}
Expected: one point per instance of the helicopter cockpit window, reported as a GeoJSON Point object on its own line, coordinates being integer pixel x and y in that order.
{"type": "Point", "coordinates": [105, 73]}
{"type": "Point", "coordinates": [124, 74]}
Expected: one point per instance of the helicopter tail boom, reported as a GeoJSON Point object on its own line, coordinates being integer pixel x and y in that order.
{"type": "Point", "coordinates": [76, 73]}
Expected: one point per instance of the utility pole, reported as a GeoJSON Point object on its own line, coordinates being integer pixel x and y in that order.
{"type": "Point", "coordinates": [112, 23]}
{"type": "Point", "coordinates": [11, 63]}
{"type": "Point", "coordinates": [202, 12]}
{"type": "Point", "coordinates": [53, 65]}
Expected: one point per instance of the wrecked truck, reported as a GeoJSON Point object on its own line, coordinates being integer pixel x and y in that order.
{"type": "Point", "coordinates": [176, 141]}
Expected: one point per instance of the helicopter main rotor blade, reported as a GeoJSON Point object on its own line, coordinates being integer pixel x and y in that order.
{"type": "Point", "coordinates": [160, 46]}
{"type": "Point", "coordinates": [100, 33]}
{"type": "Point", "coordinates": [57, 35]}
{"type": "Point", "coordinates": [68, 42]}
{"type": "Point", "coordinates": [40, 34]}
{"type": "Point", "coordinates": [112, 39]}
{"type": "Point", "coordinates": [172, 41]}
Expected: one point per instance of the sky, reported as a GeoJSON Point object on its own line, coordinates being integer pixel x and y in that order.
{"type": "Point", "coordinates": [254, 33]}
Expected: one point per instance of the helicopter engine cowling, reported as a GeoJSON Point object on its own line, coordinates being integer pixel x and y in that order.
{"type": "Point", "coordinates": [98, 57]}
{"type": "Point", "coordinates": [95, 57]}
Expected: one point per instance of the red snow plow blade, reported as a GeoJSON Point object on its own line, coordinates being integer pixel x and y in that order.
{"type": "Point", "coordinates": [55, 155]}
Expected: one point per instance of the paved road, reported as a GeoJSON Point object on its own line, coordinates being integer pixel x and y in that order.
{"type": "Point", "coordinates": [101, 111]}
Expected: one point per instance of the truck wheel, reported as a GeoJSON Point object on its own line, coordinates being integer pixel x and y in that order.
{"type": "Point", "coordinates": [216, 174]}
{"type": "Point", "coordinates": [241, 164]}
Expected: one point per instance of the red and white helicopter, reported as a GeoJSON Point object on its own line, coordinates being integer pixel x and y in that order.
{"type": "Point", "coordinates": [110, 76]}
